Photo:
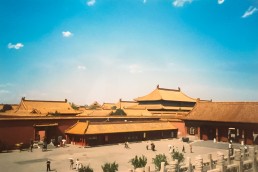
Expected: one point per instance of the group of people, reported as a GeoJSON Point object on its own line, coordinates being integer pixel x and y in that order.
{"type": "Point", "coordinates": [77, 164]}
{"type": "Point", "coordinates": [152, 146]}
{"type": "Point", "coordinates": [171, 149]}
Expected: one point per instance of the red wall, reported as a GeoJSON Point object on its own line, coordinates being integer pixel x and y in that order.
{"type": "Point", "coordinates": [181, 128]}
{"type": "Point", "coordinates": [17, 131]}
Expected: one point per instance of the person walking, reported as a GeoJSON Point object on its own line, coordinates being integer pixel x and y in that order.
{"type": "Point", "coordinates": [191, 149]}
{"type": "Point", "coordinates": [48, 165]}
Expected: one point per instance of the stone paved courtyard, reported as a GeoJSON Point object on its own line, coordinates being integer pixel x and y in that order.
{"type": "Point", "coordinates": [96, 156]}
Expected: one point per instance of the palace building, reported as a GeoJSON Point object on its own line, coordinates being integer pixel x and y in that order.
{"type": "Point", "coordinates": [224, 121]}
{"type": "Point", "coordinates": [166, 102]}
{"type": "Point", "coordinates": [90, 134]}
{"type": "Point", "coordinates": [163, 113]}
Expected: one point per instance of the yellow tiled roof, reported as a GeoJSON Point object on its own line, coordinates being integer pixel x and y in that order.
{"type": "Point", "coordinates": [132, 112]}
{"type": "Point", "coordinates": [108, 106]}
{"type": "Point", "coordinates": [124, 104]}
{"type": "Point", "coordinates": [96, 112]}
{"type": "Point", "coordinates": [124, 127]}
{"type": "Point", "coordinates": [160, 107]}
{"type": "Point", "coordinates": [45, 107]}
{"type": "Point", "coordinates": [242, 112]}
{"type": "Point", "coordinates": [78, 128]}
{"type": "Point", "coordinates": [166, 94]}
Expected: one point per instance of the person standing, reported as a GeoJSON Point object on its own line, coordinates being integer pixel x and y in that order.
{"type": "Point", "coordinates": [71, 164]}
{"type": "Point", "coordinates": [48, 165]}
{"type": "Point", "coordinates": [31, 145]}
{"type": "Point", "coordinates": [183, 149]}
{"type": "Point", "coordinates": [191, 149]}
{"type": "Point", "coordinates": [170, 149]}
{"type": "Point", "coordinates": [77, 164]}
{"type": "Point", "coordinates": [147, 145]}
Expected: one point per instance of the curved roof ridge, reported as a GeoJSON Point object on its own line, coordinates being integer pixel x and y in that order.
{"type": "Point", "coordinates": [168, 89]}
{"type": "Point", "coordinates": [151, 93]}
{"type": "Point", "coordinates": [54, 101]}
{"type": "Point", "coordinates": [187, 96]}
{"type": "Point", "coordinates": [230, 102]}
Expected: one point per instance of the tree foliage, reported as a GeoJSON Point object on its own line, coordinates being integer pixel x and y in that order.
{"type": "Point", "coordinates": [178, 155]}
{"type": "Point", "coordinates": [86, 169]}
{"type": "Point", "coordinates": [119, 112]}
{"type": "Point", "coordinates": [74, 106]}
{"type": "Point", "coordinates": [6, 107]}
{"type": "Point", "coordinates": [113, 107]}
{"type": "Point", "coordinates": [158, 159]}
{"type": "Point", "coordinates": [110, 167]}
{"type": "Point", "coordinates": [138, 162]}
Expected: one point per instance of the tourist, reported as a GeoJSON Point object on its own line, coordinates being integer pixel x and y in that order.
{"type": "Point", "coordinates": [169, 148]}
{"type": "Point", "coordinates": [48, 165]}
{"type": "Point", "coordinates": [126, 145]}
{"type": "Point", "coordinates": [245, 148]}
{"type": "Point", "coordinates": [152, 146]}
{"type": "Point", "coordinates": [77, 164]}
{"type": "Point", "coordinates": [71, 163]}
{"type": "Point", "coordinates": [31, 145]}
{"type": "Point", "coordinates": [183, 149]}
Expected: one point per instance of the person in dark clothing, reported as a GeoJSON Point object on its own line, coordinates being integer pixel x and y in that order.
{"type": "Point", "coordinates": [183, 149]}
{"type": "Point", "coordinates": [31, 145]}
{"type": "Point", "coordinates": [48, 165]}
{"type": "Point", "coordinates": [152, 147]}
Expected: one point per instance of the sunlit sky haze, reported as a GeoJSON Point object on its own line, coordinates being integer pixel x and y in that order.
{"type": "Point", "coordinates": [104, 50]}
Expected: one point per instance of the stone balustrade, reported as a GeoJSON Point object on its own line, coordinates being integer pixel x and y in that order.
{"type": "Point", "coordinates": [241, 161]}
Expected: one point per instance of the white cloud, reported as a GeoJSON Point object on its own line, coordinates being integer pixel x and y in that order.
{"type": "Point", "coordinates": [6, 85]}
{"type": "Point", "coordinates": [249, 12]}
{"type": "Point", "coordinates": [81, 67]}
{"type": "Point", "coordinates": [134, 68]}
{"type": "Point", "coordinates": [144, 1]}
{"type": "Point", "coordinates": [15, 46]}
{"type": "Point", "coordinates": [4, 91]}
{"type": "Point", "coordinates": [221, 1]}
{"type": "Point", "coordinates": [67, 34]}
{"type": "Point", "coordinates": [91, 2]}
{"type": "Point", "coordinates": [181, 3]}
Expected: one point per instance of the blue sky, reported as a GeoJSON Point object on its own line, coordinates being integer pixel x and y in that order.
{"type": "Point", "coordinates": [104, 50]}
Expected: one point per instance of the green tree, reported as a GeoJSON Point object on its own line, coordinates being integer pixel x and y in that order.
{"type": "Point", "coordinates": [113, 107]}
{"type": "Point", "coordinates": [75, 107]}
{"type": "Point", "coordinates": [158, 159]}
{"type": "Point", "coordinates": [110, 167]}
{"type": "Point", "coordinates": [178, 155]}
{"type": "Point", "coordinates": [119, 112]}
{"type": "Point", "coordinates": [86, 169]}
{"type": "Point", "coordinates": [138, 162]}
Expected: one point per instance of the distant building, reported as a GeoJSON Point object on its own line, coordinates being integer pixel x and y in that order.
{"type": "Point", "coordinates": [166, 102]}
{"type": "Point", "coordinates": [224, 121]}
{"type": "Point", "coordinates": [45, 108]}
{"type": "Point", "coordinates": [161, 111]}
{"type": "Point", "coordinates": [90, 133]}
